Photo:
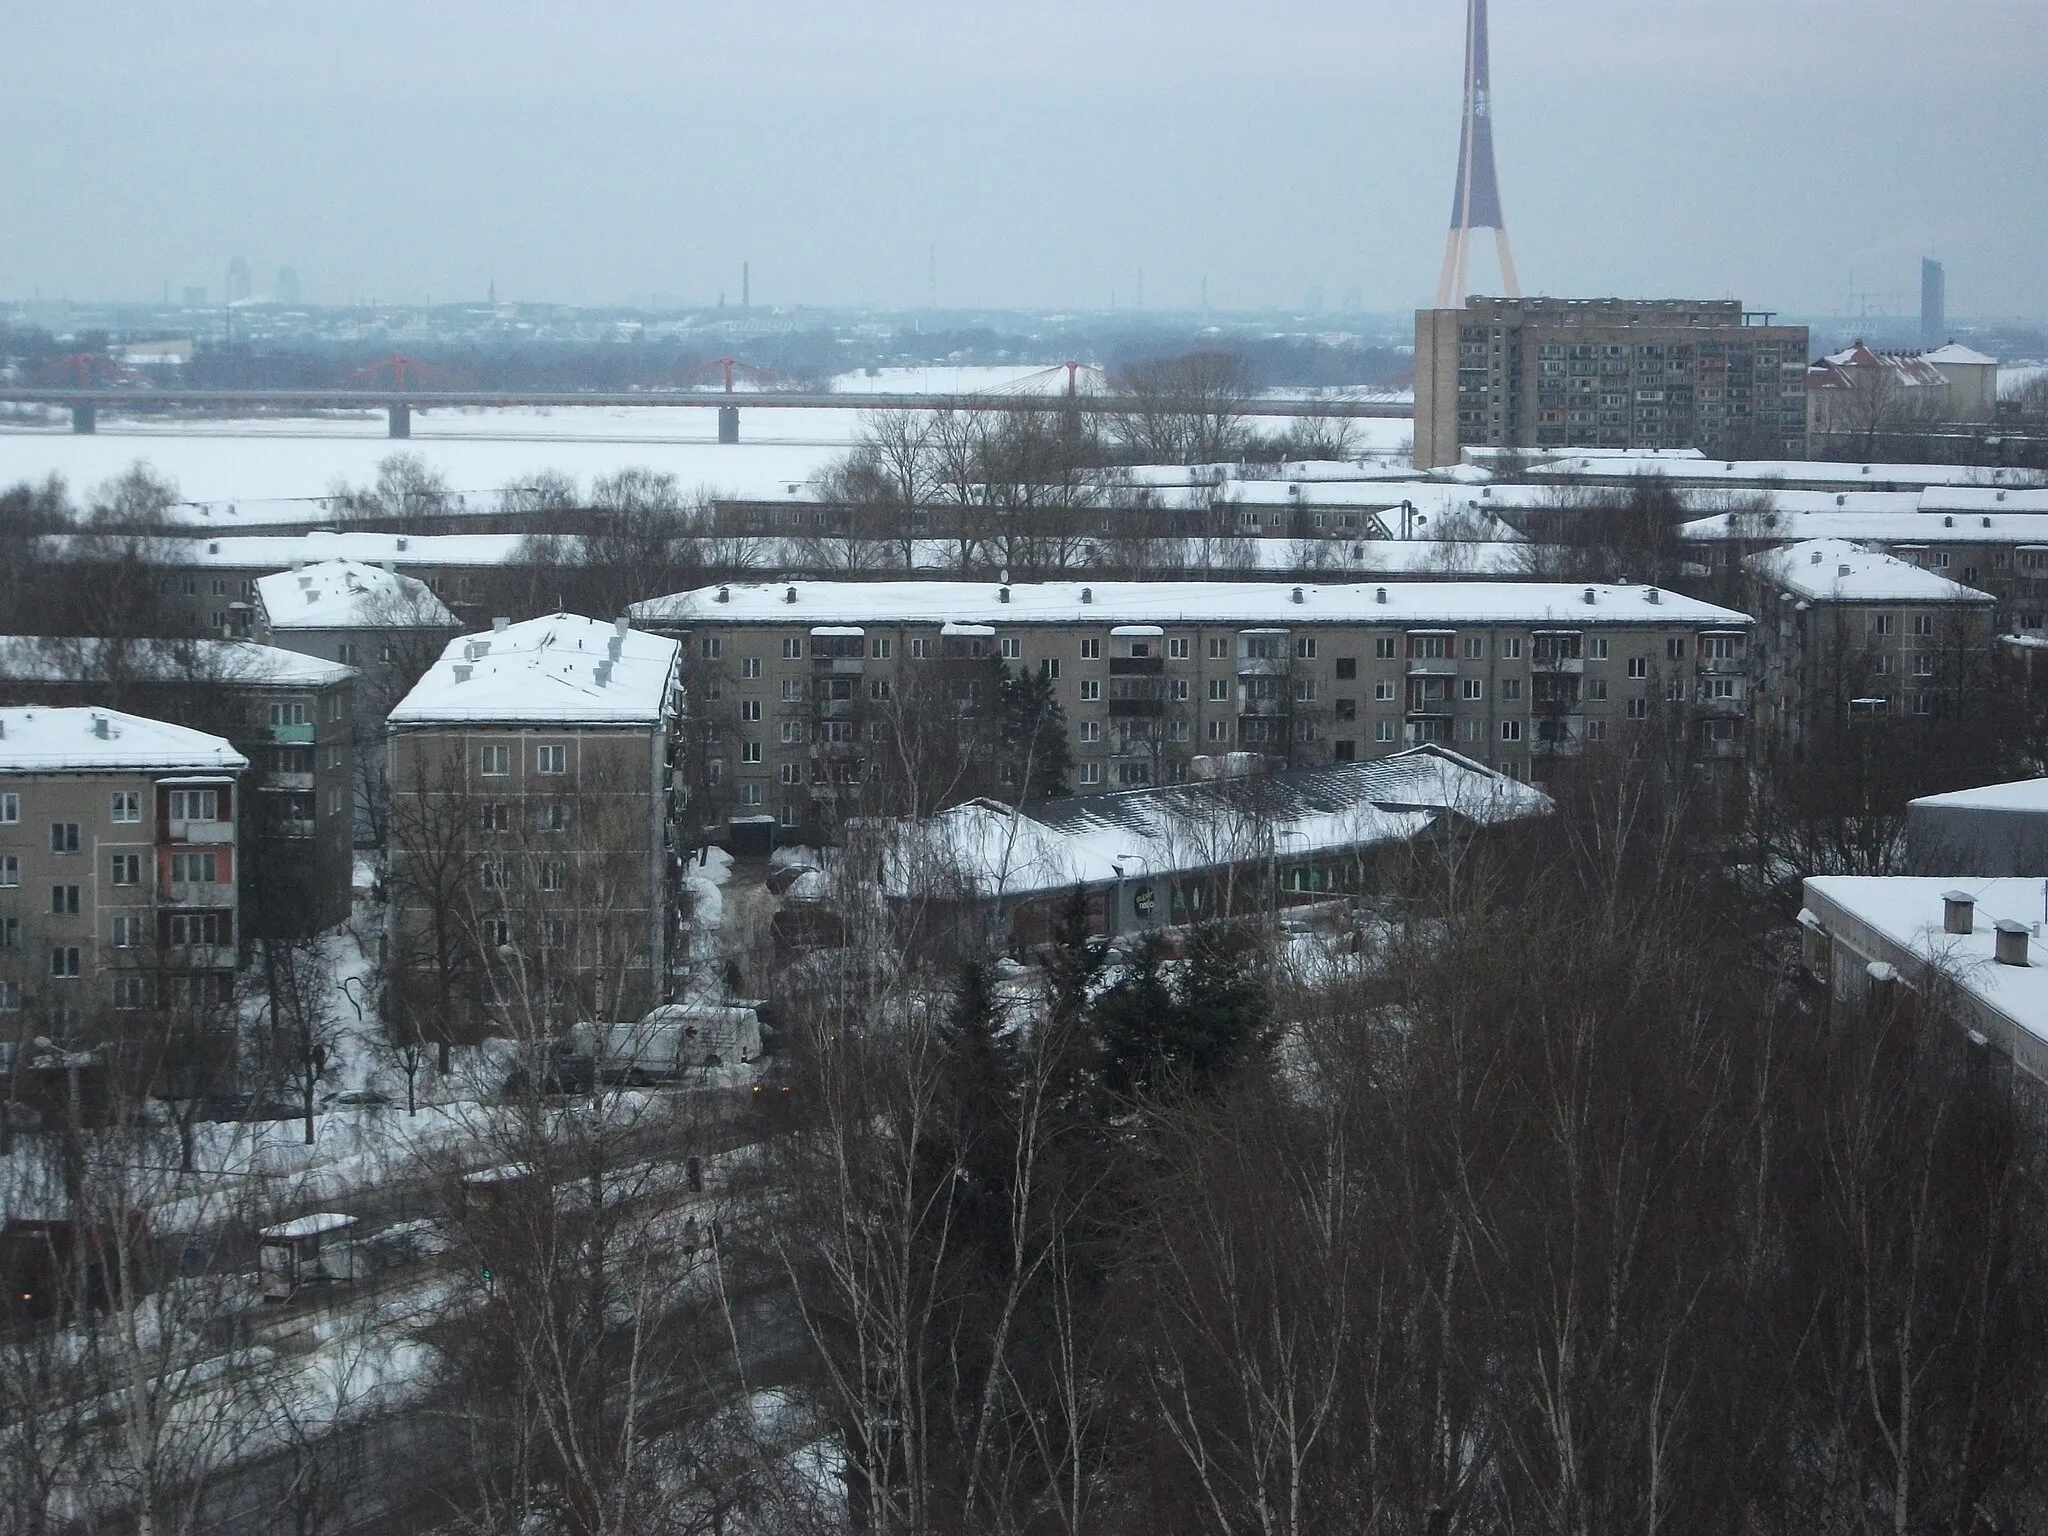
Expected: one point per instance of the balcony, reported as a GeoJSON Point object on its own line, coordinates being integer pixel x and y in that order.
{"type": "Point", "coordinates": [1722, 666]}
{"type": "Point", "coordinates": [284, 781]}
{"type": "Point", "coordinates": [1559, 736]}
{"type": "Point", "coordinates": [838, 666]}
{"type": "Point", "coordinates": [1136, 708]}
{"type": "Point", "coordinates": [201, 831]}
{"type": "Point", "coordinates": [1722, 751]}
{"type": "Point", "coordinates": [195, 893]}
{"type": "Point", "coordinates": [1558, 666]}
{"type": "Point", "coordinates": [293, 735]}
{"type": "Point", "coordinates": [1261, 709]}
{"type": "Point", "coordinates": [1432, 666]}
{"type": "Point", "coordinates": [1721, 709]}
{"type": "Point", "coordinates": [1136, 666]}
{"type": "Point", "coordinates": [1263, 666]}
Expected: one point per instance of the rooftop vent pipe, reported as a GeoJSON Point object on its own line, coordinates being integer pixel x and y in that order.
{"type": "Point", "coordinates": [1379, 595]}
{"type": "Point", "coordinates": [604, 673]}
{"type": "Point", "coordinates": [404, 544]}
{"type": "Point", "coordinates": [461, 673]}
{"type": "Point", "coordinates": [100, 727]}
{"type": "Point", "coordinates": [2010, 947]}
{"type": "Point", "coordinates": [789, 594]}
{"type": "Point", "coordinates": [1958, 911]}
{"type": "Point", "coordinates": [500, 624]}
{"type": "Point", "coordinates": [1087, 594]}
{"type": "Point", "coordinates": [1002, 594]}
{"type": "Point", "coordinates": [1589, 596]}
{"type": "Point", "coordinates": [1296, 595]}
{"type": "Point", "coordinates": [1816, 557]}
{"type": "Point", "coordinates": [1842, 569]}
{"type": "Point", "coordinates": [725, 594]}
{"type": "Point", "coordinates": [1652, 595]}
{"type": "Point", "coordinates": [622, 626]}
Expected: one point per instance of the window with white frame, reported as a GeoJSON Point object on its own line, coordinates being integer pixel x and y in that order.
{"type": "Point", "coordinates": [882, 647]}
{"type": "Point", "coordinates": [1383, 730]}
{"type": "Point", "coordinates": [10, 869]}
{"type": "Point", "coordinates": [792, 773]}
{"type": "Point", "coordinates": [1218, 731]}
{"type": "Point", "coordinates": [125, 807]}
{"type": "Point", "coordinates": [1511, 730]}
{"type": "Point", "coordinates": [750, 666]}
{"type": "Point", "coordinates": [1012, 648]}
{"type": "Point", "coordinates": [750, 751]}
{"type": "Point", "coordinates": [1091, 730]}
{"type": "Point", "coordinates": [1091, 773]}
{"type": "Point", "coordinates": [1219, 648]}
{"type": "Point", "coordinates": [128, 992]}
{"type": "Point", "coordinates": [792, 648]}
{"type": "Point", "coordinates": [195, 868]}
{"type": "Point", "coordinates": [126, 931]}
{"type": "Point", "coordinates": [551, 758]}
{"type": "Point", "coordinates": [1472, 687]}
{"type": "Point", "coordinates": [66, 963]}
{"type": "Point", "coordinates": [63, 837]}
{"type": "Point", "coordinates": [1219, 690]}
{"type": "Point", "coordinates": [10, 809]}
{"type": "Point", "coordinates": [1091, 649]}
{"type": "Point", "coordinates": [1091, 690]}
{"type": "Point", "coordinates": [750, 709]}
{"type": "Point", "coordinates": [1596, 647]}
{"type": "Point", "coordinates": [495, 759]}
{"type": "Point", "coordinates": [1177, 649]}
{"type": "Point", "coordinates": [127, 868]}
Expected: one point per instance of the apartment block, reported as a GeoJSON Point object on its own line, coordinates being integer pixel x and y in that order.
{"type": "Point", "coordinates": [292, 716]}
{"type": "Point", "coordinates": [1848, 636]}
{"type": "Point", "coordinates": [118, 880]}
{"type": "Point", "coordinates": [1547, 374]}
{"type": "Point", "coordinates": [799, 683]}
{"type": "Point", "coordinates": [533, 872]}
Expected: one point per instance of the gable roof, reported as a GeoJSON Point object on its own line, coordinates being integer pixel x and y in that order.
{"type": "Point", "coordinates": [563, 669]}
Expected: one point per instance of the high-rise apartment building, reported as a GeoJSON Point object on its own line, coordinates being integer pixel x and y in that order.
{"type": "Point", "coordinates": [1545, 374]}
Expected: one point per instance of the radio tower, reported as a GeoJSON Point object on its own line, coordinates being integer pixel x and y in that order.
{"type": "Point", "coordinates": [1476, 204]}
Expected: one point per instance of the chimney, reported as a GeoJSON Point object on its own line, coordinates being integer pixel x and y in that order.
{"type": "Point", "coordinates": [1087, 594]}
{"type": "Point", "coordinates": [725, 594]}
{"type": "Point", "coordinates": [2011, 944]}
{"type": "Point", "coordinates": [1816, 558]}
{"type": "Point", "coordinates": [1380, 595]}
{"type": "Point", "coordinates": [402, 545]}
{"type": "Point", "coordinates": [461, 673]}
{"type": "Point", "coordinates": [604, 673]}
{"type": "Point", "coordinates": [622, 626]}
{"type": "Point", "coordinates": [1002, 594]}
{"type": "Point", "coordinates": [1652, 595]}
{"type": "Point", "coordinates": [1958, 912]}
{"type": "Point", "coordinates": [1842, 569]}
{"type": "Point", "coordinates": [99, 726]}
{"type": "Point", "coordinates": [1296, 596]}
{"type": "Point", "coordinates": [500, 625]}
{"type": "Point", "coordinates": [614, 646]}
{"type": "Point", "coordinates": [1589, 596]}
{"type": "Point", "coordinates": [789, 594]}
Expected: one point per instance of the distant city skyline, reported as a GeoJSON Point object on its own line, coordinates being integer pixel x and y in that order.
{"type": "Point", "coordinates": [1050, 156]}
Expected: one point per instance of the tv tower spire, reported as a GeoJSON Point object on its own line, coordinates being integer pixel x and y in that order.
{"type": "Point", "coordinates": [1476, 204]}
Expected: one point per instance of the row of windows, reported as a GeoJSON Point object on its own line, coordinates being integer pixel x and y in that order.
{"type": "Point", "coordinates": [495, 759]}
{"type": "Point", "coordinates": [129, 991]}
{"type": "Point", "coordinates": [551, 816]}
{"type": "Point", "coordinates": [126, 930]}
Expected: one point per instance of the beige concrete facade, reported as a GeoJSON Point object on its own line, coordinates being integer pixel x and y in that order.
{"type": "Point", "coordinates": [1551, 374]}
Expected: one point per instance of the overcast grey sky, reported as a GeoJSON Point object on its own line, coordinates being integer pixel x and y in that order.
{"type": "Point", "coordinates": [1049, 149]}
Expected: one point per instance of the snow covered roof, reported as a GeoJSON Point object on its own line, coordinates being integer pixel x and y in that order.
{"type": "Point", "coordinates": [2015, 795]}
{"type": "Point", "coordinates": [1768, 474]}
{"type": "Point", "coordinates": [1956, 352]}
{"type": "Point", "coordinates": [1906, 911]}
{"type": "Point", "coordinates": [1136, 833]}
{"type": "Point", "coordinates": [559, 670]}
{"type": "Point", "coordinates": [1876, 527]}
{"type": "Point", "coordinates": [1836, 571]}
{"type": "Point", "coordinates": [276, 551]}
{"type": "Point", "coordinates": [85, 659]}
{"type": "Point", "coordinates": [1842, 370]}
{"type": "Point", "coordinates": [347, 594]}
{"type": "Point", "coordinates": [40, 740]}
{"type": "Point", "coordinates": [1177, 602]}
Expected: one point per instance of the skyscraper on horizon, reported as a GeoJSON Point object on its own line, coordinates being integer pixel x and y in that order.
{"type": "Point", "coordinates": [1933, 304]}
{"type": "Point", "coordinates": [1476, 202]}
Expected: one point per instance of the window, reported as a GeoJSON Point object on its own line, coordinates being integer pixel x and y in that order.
{"type": "Point", "coordinates": [64, 963]}
{"type": "Point", "coordinates": [551, 759]}
{"type": "Point", "coordinates": [1218, 730]}
{"type": "Point", "coordinates": [497, 760]}
{"type": "Point", "coordinates": [1305, 648]}
{"type": "Point", "coordinates": [127, 932]}
{"type": "Point", "coordinates": [1596, 689]}
{"type": "Point", "coordinates": [750, 666]}
{"type": "Point", "coordinates": [497, 816]}
{"type": "Point", "coordinates": [1472, 688]}
{"type": "Point", "coordinates": [750, 751]}
{"type": "Point", "coordinates": [1674, 691]}
{"type": "Point", "coordinates": [1596, 730]}
{"type": "Point", "coordinates": [195, 805]}
{"type": "Point", "coordinates": [1383, 690]}
{"type": "Point", "coordinates": [1639, 709]}
{"type": "Point", "coordinates": [791, 773]}
{"type": "Point", "coordinates": [1884, 665]}
{"type": "Point", "coordinates": [1429, 647]}
{"type": "Point", "coordinates": [1305, 690]}
{"type": "Point", "coordinates": [1091, 650]}
{"type": "Point", "coordinates": [792, 648]}
{"type": "Point", "coordinates": [10, 996]}
{"type": "Point", "coordinates": [792, 733]}
{"type": "Point", "coordinates": [1012, 648]}
{"type": "Point", "coordinates": [1219, 690]}
{"type": "Point", "coordinates": [64, 836]}
{"type": "Point", "coordinates": [10, 809]}
{"type": "Point", "coordinates": [1180, 690]}
{"type": "Point", "coordinates": [1881, 624]}
{"type": "Point", "coordinates": [710, 647]}
{"type": "Point", "coordinates": [554, 933]}
{"type": "Point", "coordinates": [1475, 647]}
{"type": "Point", "coordinates": [127, 869]}
{"type": "Point", "coordinates": [334, 706]}
{"type": "Point", "coordinates": [1219, 649]}
{"type": "Point", "coordinates": [126, 807]}
{"type": "Point", "coordinates": [1923, 623]}
{"type": "Point", "coordinates": [1674, 647]}
{"type": "Point", "coordinates": [1177, 650]}
{"type": "Point", "coordinates": [1923, 703]}
{"type": "Point", "coordinates": [750, 709]}
{"type": "Point", "coordinates": [1511, 730]}
{"type": "Point", "coordinates": [128, 991]}
{"type": "Point", "coordinates": [10, 869]}
{"type": "Point", "coordinates": [1596, 648]}
{"type": "Point", "coordinates": [1639, 666]}
{"type": "Point", "coordinates": [497, 933]}
{"type": "Point", "coordinates": [1383, 730]}
{"type": "Point", "coordinates": [1091, 690]}
{"type": "Point", "coordinates": [920, 648]}
{"type": "Point", "coordinates": [1091, 773]}
{"type": "Point", "coordinates": [345, 653]}
{"type": "Point", "coordinates": [289, 714]}
{"type": "Point", "coordinates": [1511, 688]}
{"type": "Point", "coordinates": [1091, 730]}
{"type": "Point", "coordinates": [881, 648]}
{"type": "Point", "coordinates": [792, 690]}
{"type": "Point", "coordinates": [1383, 647]}
{"type": "Point", "coordinates": [1717, 647]}
{"type": "Point", "coordinates": [1923, 665]}
{"type": "Point", "coordinates": [195, 868]}
{"type": "Point", "coordinates": [554, 875]}
{"type": "Point", "coordinates": [1511, 648]}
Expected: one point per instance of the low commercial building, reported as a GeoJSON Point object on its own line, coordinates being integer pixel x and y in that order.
{"type": "Point", "coordinates": [1970, 947]}
{"type": "Point", "coordinates": [1845, 635]}
{"type": "Point", "coordinates": [533, 872]}
{"type": "Point", "coordinates": [119, 869]}
{"type": "Point", "coordinates": [1863, 392]}
{"type": "Point", "coordinates": [1992, 830]}
{"type": "Point", "coordinates": [1145, 858]}
{"type": "Point", "coordinates": [809, 688]}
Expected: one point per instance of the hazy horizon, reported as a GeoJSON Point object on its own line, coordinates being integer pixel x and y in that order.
{"type": "Point", "coordinates": [1050, 155]}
